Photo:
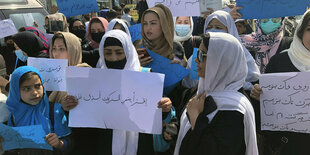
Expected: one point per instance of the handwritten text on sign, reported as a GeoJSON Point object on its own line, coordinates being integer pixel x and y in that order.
{"type": "Point", "coordinates": [76, 7]}
{"type": "Point", "coordinates": [7, 28]}
{"type": "Point", "coordinates": [179, 7]}
{"type": "Point", "coordinates": [23, 137]}
{"type": "Point", "coordinates": [116, 99]}
{"type": "Point", "coordinates": [285, 102]}
{"type": "Point", "coordinates": [53, 72]}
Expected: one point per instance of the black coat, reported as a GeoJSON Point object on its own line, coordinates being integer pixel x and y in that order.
{"type": "Point", "coordinates": [284, 143]}
{"type": "Point", "coordinates": [224, 135]}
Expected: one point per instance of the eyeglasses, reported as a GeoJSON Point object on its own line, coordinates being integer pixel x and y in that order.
{"type": "Point", "coordinates": [81, 27]}
{"type": "Point", "coordinates": [274, 20]}
{"type": "Point", "coordinates": [200, 55]}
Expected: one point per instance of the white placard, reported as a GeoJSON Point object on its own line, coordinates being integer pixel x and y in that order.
{"type": "Point", "coordinates": [179, 7]}
{"type": "Point", "coordinates": [53, 72]}
{"type": "Point", "coordinates": [29, 20]}
{"type": "Point", "coordinates": [116, 99]}
{"type": "Point", "coordinates": [285, 102]}
{"type": "Point", "coordinates": [214, 4]}
{"type": "Point", "coordinates": [7, 28]}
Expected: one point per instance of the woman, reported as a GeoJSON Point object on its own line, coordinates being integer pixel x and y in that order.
{"type": "Point", "coordinates": [29, 105]}
{"type": "Point", "coordinates": [27, 44]}
{"type": "Point", "coordinates": [96, 29]}
{"type": "Point", "coordinates": [66, 45]}
{"type": "Point", "coordinates": [294, 59]}
{"type": "Point", "coordinates": [118, 24]}
{"type": "Point", "coordinates": [157, 32]}
{"type": "Point", "coordinates": [77, 27]}
{"type": "Point", "coordinates": [267, 40]}
{"type": "Point", "coordinates": [219, 119]}
{"type": "Point", "coordinates": [184, 26]}
{"type": "Point", "coordinates": [221, 21]}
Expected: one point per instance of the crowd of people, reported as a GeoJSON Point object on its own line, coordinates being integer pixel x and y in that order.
{"type": "Point", "coordinates": [217, 114]}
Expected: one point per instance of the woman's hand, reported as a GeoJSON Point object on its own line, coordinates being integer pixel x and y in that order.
{"type": "Point", "coordinates": [195, 107]}
{"type": "Point", "coordinates": [165, 103]}
{"type": "Point", "coordinates": [255, 92]}
{"type": "Point", "coordinates": [176, 62]}
{"type": "Point", "coordinates": [52, 139]}
{"type": "Point", "coordinates": [69, 102]}
{"type": "Point", "coordinates": [144, 60]}
{"type": "Point", "coordinates": [234, 13]}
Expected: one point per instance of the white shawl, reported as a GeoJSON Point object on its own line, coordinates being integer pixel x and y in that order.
{"type": "Point", "coordinates": [123, 142]}
{"type": "Point", "coordinates": [225, 74]}
{"type": "Point", "coordinates": [227, 20]}
{"type": "Point", "coordinates": [298, 53]}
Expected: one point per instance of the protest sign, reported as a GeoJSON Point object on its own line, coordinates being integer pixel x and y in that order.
{"type": "Point", "coordinates": [285, 102]}
{"type": "Point", "coordinates": [116, 99]}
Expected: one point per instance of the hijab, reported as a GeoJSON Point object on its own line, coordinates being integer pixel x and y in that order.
{"type": "Point", "coordinates": [30, 43]}
{"type": "Point", "coordinates": [227, 20]}
{"type": "Point", "coordinates": [224, 76]}
{"type": "Point", "coordinates": [264, 45]}
{"type": "Point", "coordinates": [123, 142]}
{"type": "Point", "coordinates": [119, 21]}
{"type": "Point", "coordinates": [59, 17]}
{"type": "Point", "coordinates": [74, 49]}
{"type": "Point", "coordinates": [25, 114]}
{"type": "Point", "coordinates": [189, 35]}
{"type": "Point", "coordinates": [163, 46]}
{"type": "Point", "coordinates": [104, 23]}
{"type": "Point", "coordinates": [298, 53]}
{"type": "Point", "coordinates": [38, 33]}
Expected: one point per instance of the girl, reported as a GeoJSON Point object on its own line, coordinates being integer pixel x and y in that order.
{"type": "Point", "coordinates": [96, 29]}
{"type": "Point", "coordinates": [219, 119]}
{"type": "Point", "coordinates": [295, 59]}
{"type": "Point", "coordinates": [118, 52]}
{"type": "Point", "coordinates": [157, 30]}
{"type": "Point", "coordinates": [221, 21]}
{"type": "Point", "coordinates": [29, 105]}
{"type": "Point", "coordinates": [184, 26]}
{"type": "Point", "coordinates": [27, 44]}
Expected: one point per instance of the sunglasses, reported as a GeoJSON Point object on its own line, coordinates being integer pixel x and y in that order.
{"type": "Point", "coordinates": [81, 27]}
{"type": "Point", "coordinates": [274, 20]}
{"type": "Point", "coordinates": [200, 55]}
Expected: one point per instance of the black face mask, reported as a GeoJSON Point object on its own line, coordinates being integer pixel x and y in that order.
{"type": "Point", "coordinates": [79, 33]}
{"type": "Point", "coordinates": [97, 36]}
{"type": "Point", "coordinates": [116, 64]}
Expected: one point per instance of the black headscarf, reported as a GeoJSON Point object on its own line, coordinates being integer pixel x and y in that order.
{"type": "Point", "coordinates": [30, 43]}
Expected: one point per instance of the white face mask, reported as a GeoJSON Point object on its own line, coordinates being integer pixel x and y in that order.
{"type": "Point", "coordinates": [20, 55]}
{"type": "Point", "coordinates": [182, 29]}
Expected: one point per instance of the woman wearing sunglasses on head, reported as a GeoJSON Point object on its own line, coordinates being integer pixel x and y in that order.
{"type": "Point", "coordinates": [219, 119]}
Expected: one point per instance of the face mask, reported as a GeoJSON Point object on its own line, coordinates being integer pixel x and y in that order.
{"type": "Point", "coordinates": [79, 33]}
{"type": "Point", "coordinates": [215, 30]}
{"type": "Point", "coordinates": [21, 56]}
{"type": "Point", "coordinates": [269, 26]}
{"type": "Point", "coordinates": [182, 30]}
{"type": "Point", "coordinates": [116, 64]}
{"type": "Point", "coordinates": [97, 36]}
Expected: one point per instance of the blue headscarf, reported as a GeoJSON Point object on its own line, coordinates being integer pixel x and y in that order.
{"type": "Point", "coordinates": [26, 114]}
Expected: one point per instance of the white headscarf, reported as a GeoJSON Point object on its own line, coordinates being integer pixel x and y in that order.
{"type": "Point", "coordinates": [133, 62]}
{"type": "Point", "coordinates": [298, 53]}
{"type": "Point", "coordinates": [123, 142]}
{"type": "Point", "coordinates": [224, 76]}
{"type": "Point", "coordinates": [178, 38]}
{"type": "Point", "coordinates": [227, 20]}
{"type": "Point", "coordinates": [120, 21]}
